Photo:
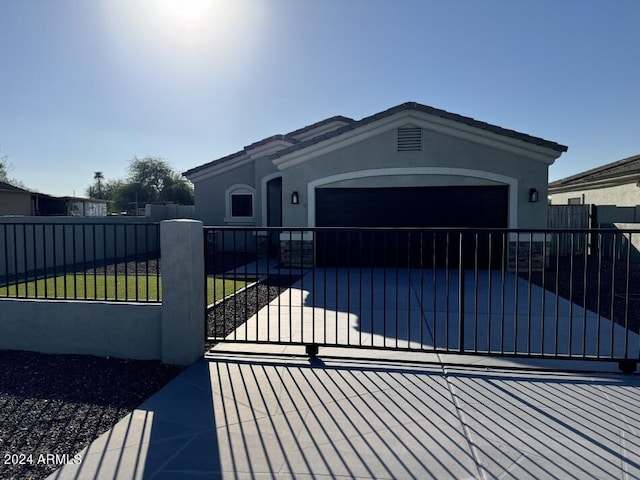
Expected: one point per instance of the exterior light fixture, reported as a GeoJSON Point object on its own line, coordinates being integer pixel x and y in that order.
{"type": "Point", "coordinates": [295, 199]}
{"type": "Point", "coordinates": [534, 197]}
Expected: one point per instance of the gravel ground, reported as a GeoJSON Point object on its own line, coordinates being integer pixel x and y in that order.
{"type": "Point", "coordinates": [227, 315]}
{"type": "Point", "coordinates": [588, 283]}
{"type": "Point", "coordinates": [58, 404]}
{"type": "Point", "coordinates": [144, 267]}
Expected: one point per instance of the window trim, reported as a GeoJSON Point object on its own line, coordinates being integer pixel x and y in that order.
{"type": "Point", "coordinates": [239, 189]}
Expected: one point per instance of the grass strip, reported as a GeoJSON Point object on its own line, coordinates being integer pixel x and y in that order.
{"type": "Point", "coordinates": [109, 287]}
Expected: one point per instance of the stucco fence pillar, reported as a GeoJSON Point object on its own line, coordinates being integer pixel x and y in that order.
{"type": "Point", "coordinates": [183, 303]}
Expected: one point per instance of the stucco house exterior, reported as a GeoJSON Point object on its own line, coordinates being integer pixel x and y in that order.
{"type": "Point", "coordinates": [411, 165]}
{"type": "Point", "coordinates": [616, 183]}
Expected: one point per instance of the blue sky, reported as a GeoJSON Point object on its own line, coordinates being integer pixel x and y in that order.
{"type": "Point", "coordinates": [89, 85]}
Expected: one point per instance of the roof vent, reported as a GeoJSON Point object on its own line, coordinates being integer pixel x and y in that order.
{"type": "Point", "coordinates": [409, 139]}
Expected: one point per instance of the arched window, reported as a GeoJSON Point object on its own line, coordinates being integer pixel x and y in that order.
{"type": "Point", "coordinates": [240, 203]}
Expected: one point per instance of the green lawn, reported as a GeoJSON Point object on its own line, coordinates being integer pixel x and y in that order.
{"type": "Point", "coordinates": [109, 287]}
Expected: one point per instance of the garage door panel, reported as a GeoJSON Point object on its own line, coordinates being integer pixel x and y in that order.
{"type": "Point", "coordinates": [463, 206]}
{"type": "Point", "coordinates": [449, 207]}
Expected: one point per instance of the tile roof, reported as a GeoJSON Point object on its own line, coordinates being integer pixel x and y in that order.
{"type": "Point", "coordinates": [337, 118]}
{"type": "Point", "coordinates": [217, 161]}
{"type": "Point", "coordinates": [432, 111]}
{"type": "Point", "coordinates": [624, 167]}
{"type": "Point", "coordinates": [289, 137]}
{"type": "Point", "coordinates": [353, 124]}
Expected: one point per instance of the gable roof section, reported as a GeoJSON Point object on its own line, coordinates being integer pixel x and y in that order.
{"type": "Point", "coordinates": [7, 187]}
{"type": "Point", "coordinates": [303, 138]}
{"type": "Point", "coordinates": [283, 141]}
{"type": "Point", "coordinates": [432, 111]}
{"type": "Point", "coordinates": [615, 173]}
{"type": "Point", "coordinates": [320, 127]}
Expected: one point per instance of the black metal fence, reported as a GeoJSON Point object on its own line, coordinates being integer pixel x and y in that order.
{"type": "Point", "coordinates": [92, 261]}
{"type": "Point", "coordinates": [484, 292]}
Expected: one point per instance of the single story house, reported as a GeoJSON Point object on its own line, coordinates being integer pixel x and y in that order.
{"type": "Point", "coordinates": [14, 200]}
{"type": "Point", "coordinates": [616, 183]}
{"type": "Point", "coordinates": [17, 201]}
{"type": "Point", "coordinates": [410, 166]}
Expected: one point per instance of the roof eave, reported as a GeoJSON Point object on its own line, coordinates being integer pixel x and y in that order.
{"type": "Point", "coordinates": [595, 184]}
{"type": "Point", "coordinates": [374, 126]}
{"type": "Point", "coordinates": [216, 167]}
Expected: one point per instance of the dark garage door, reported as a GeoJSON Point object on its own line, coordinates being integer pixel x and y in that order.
{"type": "Point", "coordinates": [451, 207]}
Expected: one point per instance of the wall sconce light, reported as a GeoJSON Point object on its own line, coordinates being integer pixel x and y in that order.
{"type": "Point", "coordinates": [295, 199]}
{"type": "Point", "coordinates": [534, 197]}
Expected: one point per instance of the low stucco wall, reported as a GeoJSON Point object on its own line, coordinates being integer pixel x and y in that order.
{"type": "Point", "coordinates": [172, 331]}
{"type": "Point", "coordinates": [123, 330]}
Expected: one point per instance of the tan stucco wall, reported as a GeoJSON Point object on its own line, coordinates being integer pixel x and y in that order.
{"type": "Point", "coordinates": [627, 195]}
{"type": "Point", "coordinates": [439, 151]}
{"type": "Point", "coordinates": [209, 197]}
{"type": "Point", "coordinates": [444, 160]}
{"type": "Point", "coordinates": [123, 330]}
{"type": "Point", "coordinates": [410, 181]}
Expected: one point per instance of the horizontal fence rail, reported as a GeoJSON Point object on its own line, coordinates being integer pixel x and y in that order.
{"type": "Point", "coordinates": [508, 292]}
{"type": "Point", "coordinates": [74, 261]}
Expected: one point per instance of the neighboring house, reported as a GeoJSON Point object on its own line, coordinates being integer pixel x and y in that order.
{"type": "Point", "coordinates": [411, 165]}
{"type": "Point", "coordinates": [46, 205]}
{"type": "Point", "coordinates": [18, 201]}
{"type": "Point", "coordinates": [616, 183]}
{"type": "Point", "coordinates": [14, 200]}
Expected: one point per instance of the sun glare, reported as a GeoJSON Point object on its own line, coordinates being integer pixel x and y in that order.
{"type": "Point", "coordinates": [183, 37]}
{"type": "Point", "coordinates": [188, 14]}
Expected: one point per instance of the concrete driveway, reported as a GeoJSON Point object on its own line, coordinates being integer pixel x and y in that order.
{"type": "Point", "coordinates": [420, 310]}
{"type": "Point", "coordinates": [381, 414]}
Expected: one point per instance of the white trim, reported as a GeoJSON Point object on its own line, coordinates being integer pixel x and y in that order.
{"type": "Point", "coordinates": [239, 189]}
{"type": "Point", "coordinates": [427, 121]}
{"type": "Point", "coordinates": [216, 168]}
{"type": "Point", "coordinates": [314, 132]}
{"type": "Point", "coordinates": [263, 194]}
{"type": "Point", "coordinates": [385, 172]}
{"type": "Point", "coordinates": [267, 148]}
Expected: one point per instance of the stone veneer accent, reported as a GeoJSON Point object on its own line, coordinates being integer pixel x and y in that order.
{"type": "Point", "coordinates": [262, 244]}
{"type": "Point", "coordinates": [296, 251]}
{"type": "Point", "coordinates": [527, 249]}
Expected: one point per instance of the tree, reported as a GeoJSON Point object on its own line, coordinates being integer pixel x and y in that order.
{"type": "Point", "coordinates": [5, 167]}
{"type": "Point", "coordinates": [97, 190]}
{"type": "Point", "coordinates": [98, 177]}
{"type": "Point", "coordinates": [177, 189]}
{"type": "Point", "coordinates": [149, 180]}
{"type": "Point", "coordinates": [151, 175]}
{"type": "Point", "coordinates": [3, 170]}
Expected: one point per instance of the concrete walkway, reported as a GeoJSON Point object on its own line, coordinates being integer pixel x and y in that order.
{"type": "Point", "coordinates": [378, 414]}
{"type": "Point", "coordinates": [284, 417]}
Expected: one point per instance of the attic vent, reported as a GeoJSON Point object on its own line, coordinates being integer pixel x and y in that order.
{"type": "Point", "coordinates": [409, 139]}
